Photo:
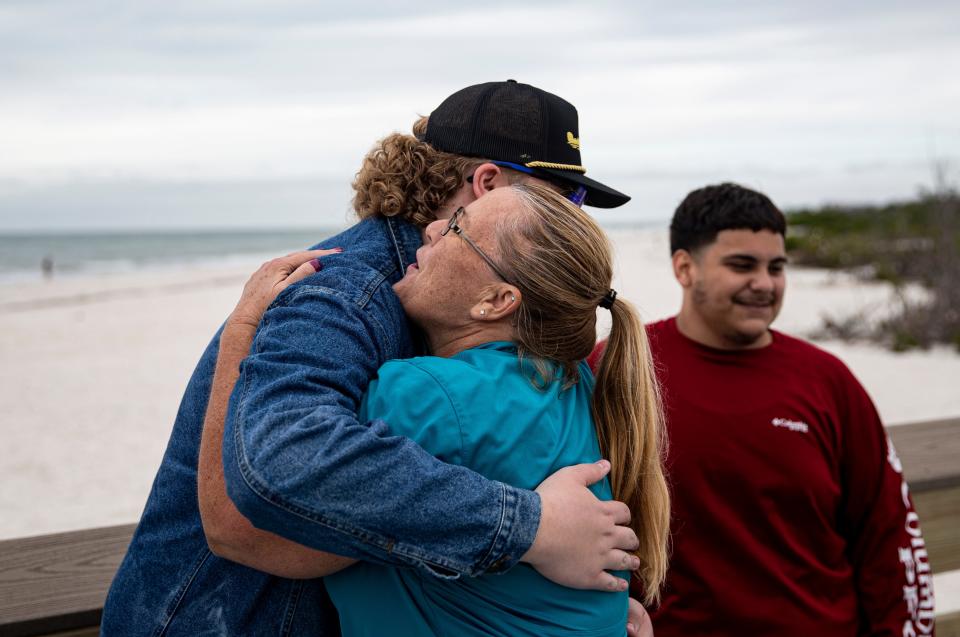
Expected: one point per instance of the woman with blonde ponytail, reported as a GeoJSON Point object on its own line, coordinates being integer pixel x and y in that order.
{"type": "Point", "coordinates": [563, 258]}
{"type": "Point", "coordinates": [506, 293]}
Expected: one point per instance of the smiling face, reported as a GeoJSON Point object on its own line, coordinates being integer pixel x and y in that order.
{"type": "Point", "coordinates": [733, 288]}
{"type": "Point", "coordinates": [450, 277]}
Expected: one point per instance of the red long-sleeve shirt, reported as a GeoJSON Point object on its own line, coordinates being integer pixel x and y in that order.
{"type": "Point", "coordinates": [790, 512]}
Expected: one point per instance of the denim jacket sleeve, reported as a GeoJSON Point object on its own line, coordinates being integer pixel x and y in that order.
{"type": "Point", "coordinates": [299, 463]}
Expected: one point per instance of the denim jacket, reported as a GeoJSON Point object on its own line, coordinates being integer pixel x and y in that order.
{"type": "Point", "coordinates": [298, 463]}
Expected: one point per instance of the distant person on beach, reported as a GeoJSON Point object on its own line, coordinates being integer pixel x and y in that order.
{"type": "Point", "coordinates": [300, 464]}
{"type": "Point", "coordinates": [791, 513]}
{"type": "Point", "coordinates": [506, 292]}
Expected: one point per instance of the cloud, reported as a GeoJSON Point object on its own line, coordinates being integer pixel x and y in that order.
{"type": "Point", "coordinates": [220, 92]}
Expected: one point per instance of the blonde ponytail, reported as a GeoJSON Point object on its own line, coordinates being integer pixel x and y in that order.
{"type": "Point", "coordinates": [629, 420]}
{"type": "Point", "coordinates": [561, 261]}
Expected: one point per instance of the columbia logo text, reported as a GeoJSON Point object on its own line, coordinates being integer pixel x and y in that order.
{"type": "Point", "coordinates": [792, 425]}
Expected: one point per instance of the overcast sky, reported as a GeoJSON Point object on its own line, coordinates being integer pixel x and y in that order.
{"type": "Point", "coordinates": [236, 113]}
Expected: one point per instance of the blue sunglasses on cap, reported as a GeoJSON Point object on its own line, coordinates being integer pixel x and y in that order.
{"type": "Point", "coordinates": [577, 195]}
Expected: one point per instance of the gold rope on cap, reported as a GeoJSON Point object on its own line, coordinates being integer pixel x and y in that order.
{"type": "Point", "coordinates": [549, 164]}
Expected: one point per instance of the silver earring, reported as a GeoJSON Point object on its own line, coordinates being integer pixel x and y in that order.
{"type": "Point", "coordinates": [512, 298]}
{"type": "Point", "coordinates": [483, 312]}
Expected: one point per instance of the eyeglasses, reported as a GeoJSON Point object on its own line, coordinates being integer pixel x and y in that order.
{"type": "Point", "coordinates": [453, 225]}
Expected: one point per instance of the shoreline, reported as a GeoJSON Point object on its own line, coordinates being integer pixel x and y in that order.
{"type": "Point", "coordinates": [94, 367]}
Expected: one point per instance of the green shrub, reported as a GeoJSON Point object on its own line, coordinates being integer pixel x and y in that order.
{"type": "Point", "coordinates": [913, 241]}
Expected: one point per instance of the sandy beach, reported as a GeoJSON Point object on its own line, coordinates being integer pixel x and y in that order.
{"type": "Point", "coordinates": [93, 369]}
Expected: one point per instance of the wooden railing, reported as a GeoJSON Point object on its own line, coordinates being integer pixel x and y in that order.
{"type": "Point", "coordinates": [55, 584]}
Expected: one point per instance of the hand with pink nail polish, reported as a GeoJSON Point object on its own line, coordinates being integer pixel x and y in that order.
{"type": "Point", "coordinates": [272, 278]}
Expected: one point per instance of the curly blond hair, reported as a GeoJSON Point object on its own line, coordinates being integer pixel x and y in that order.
{"type": "Point", "coordinates": [403, 176]}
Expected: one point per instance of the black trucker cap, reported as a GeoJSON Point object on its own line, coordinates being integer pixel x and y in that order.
{"type": "Point", "coordinates": [519, 124]}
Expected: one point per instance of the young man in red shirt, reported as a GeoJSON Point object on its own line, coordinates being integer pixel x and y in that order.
{"type": "Point", "coordinates": [791, 514]}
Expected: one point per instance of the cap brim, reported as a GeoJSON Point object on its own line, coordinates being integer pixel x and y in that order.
{"type": "Point", "coordinates": [598, 195]}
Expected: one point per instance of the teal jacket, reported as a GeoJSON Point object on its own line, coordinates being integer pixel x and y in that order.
{"type": "Point", "coordinates": [479, 409]}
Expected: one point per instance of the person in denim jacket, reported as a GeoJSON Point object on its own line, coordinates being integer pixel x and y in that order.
{"type": "Point", "coordinates": [297, 462]}
{"type": "Point", "coordinates": [526, 288]}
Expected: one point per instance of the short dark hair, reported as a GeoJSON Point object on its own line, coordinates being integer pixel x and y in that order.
{"type": "Point", "coordinates": [707, 211]}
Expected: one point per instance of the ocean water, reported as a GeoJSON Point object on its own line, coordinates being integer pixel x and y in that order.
{"type": "Point", "coordinates": [32, 256]}
{"type": "Point", "coordinates": [22, 256]}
